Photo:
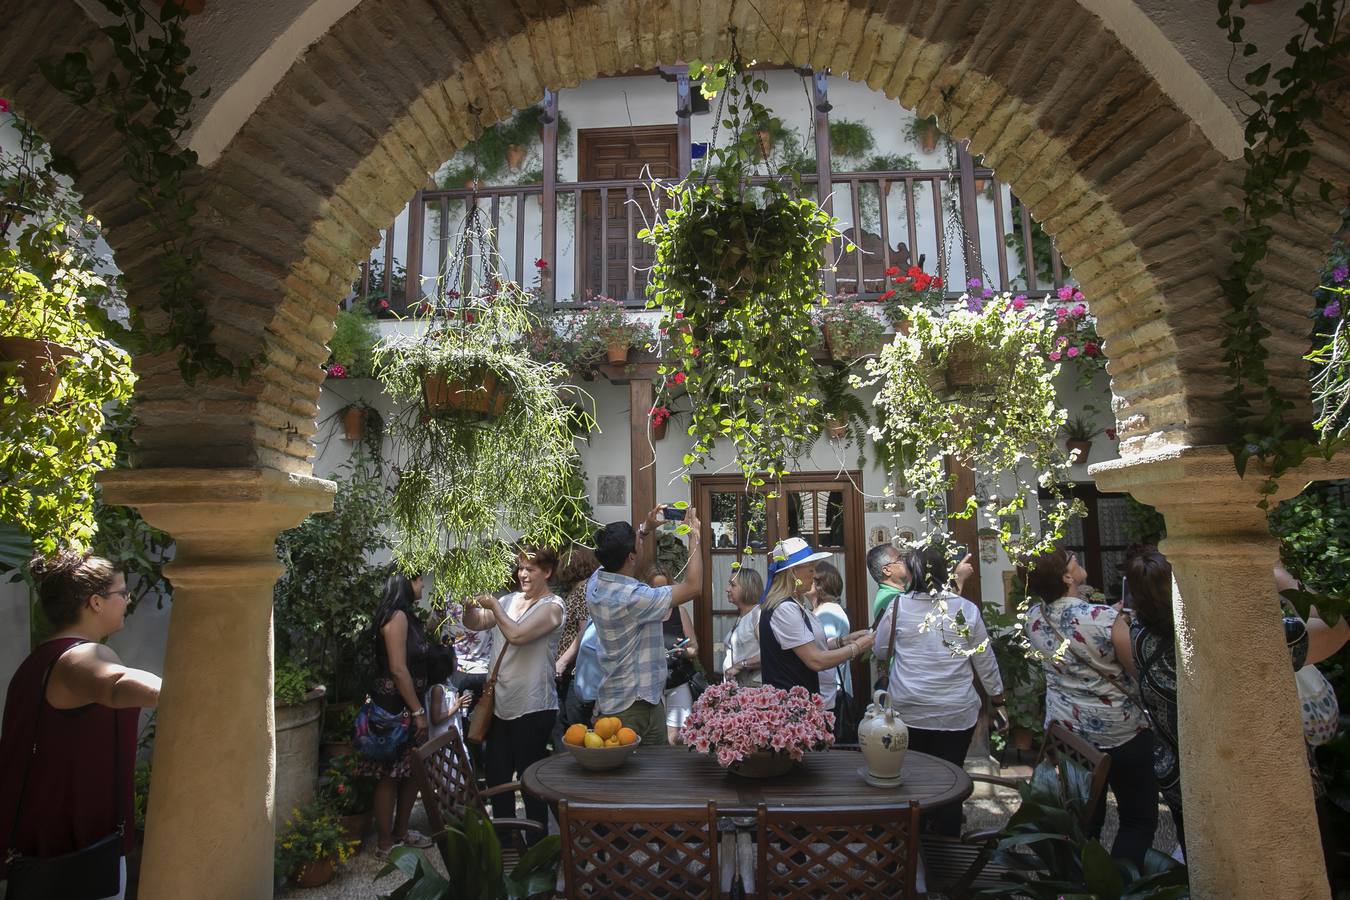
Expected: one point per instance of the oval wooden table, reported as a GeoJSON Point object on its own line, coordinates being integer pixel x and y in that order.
{"type": "Point", "coordinates": [674, 775]}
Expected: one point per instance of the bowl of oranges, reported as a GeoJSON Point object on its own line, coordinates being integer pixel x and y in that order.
{"type": "Point", "coordinates": [606, 745]}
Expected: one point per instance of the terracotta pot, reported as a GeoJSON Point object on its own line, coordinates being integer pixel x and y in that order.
{"type": "Point", "coordinates": [763, 764]}
{"type": "Point", "coordinates": [37, 365]}
{"type": "Point", "coordinates": [981, 184]}
{"type": "Point", "coordinates": [354, 422]}
{"type": "Point", "coordinates": [825, 337]}
{"type": "Point", "coordinates": [617, 354]}
{"type": "Point", "coordinates": [659, 430]}
{"type": "Point", "coordinates": [515, 155]}
{"type": "Point", "coordinates": [314, 874]}
{"type": "Point", "coordinates": [1021, 738]}
{"type": "Point", "coordinates": [836, 430]}
{"type": "Point", "coordinates": [481, 395]}
{"type": "Point", "coordinates": [1079, 450]}
{"type": "Point", "coordinates": [903, 326]}
{"type": "Point", "coordinates": [928, 138]}
{"type": "Point", "coordinates": [330, 750]}
{"type": "Point", "coordinates": [765, 142]}
{"type": "Point", "coordinates": [355, 827]}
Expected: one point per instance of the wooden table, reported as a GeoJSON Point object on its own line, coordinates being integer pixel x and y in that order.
{"type": "Point", "coordinates": [674, 775]}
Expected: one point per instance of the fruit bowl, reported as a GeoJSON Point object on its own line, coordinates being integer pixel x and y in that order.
{"type": "Point", "coordinates": [600, 759]}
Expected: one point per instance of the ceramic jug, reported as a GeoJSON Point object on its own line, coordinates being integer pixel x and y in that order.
{"type": "Point", "coordinates": [884, 738]}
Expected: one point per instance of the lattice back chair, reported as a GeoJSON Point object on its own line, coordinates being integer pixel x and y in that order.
{"type": "Point", "coordinates": [449, 787]}
{"type": "Point", "coordinates": [960, 867]}
{"type": "Point", "coordinates": [811, 853]}
{"type": "Point", "coordinates": [639, 852]}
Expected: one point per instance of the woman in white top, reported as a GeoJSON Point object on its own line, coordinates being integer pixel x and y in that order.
{"type": "Point", "coordinates": [823, 600]}
{"type": "Point", "coordinates": [741, 658]}
{"type": "Point", "coordinates": [931, 685]}
{"type": "Point", "coordinates": [525, 627]}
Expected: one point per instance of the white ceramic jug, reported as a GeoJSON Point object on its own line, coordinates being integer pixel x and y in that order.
{"type": "Point", "coordinates": [884, 738]}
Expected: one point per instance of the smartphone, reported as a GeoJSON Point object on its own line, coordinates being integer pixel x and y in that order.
{"type": "Point", "coordinates": [672, 513]}
{"type": "Point", "coordinates": [961, 553]}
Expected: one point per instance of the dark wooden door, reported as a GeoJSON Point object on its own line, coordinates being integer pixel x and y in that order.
{"type": "Point", "coordinates": [613, 261]}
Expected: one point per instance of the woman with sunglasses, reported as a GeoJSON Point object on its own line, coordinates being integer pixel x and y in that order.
{"type": "Point", "coordinates": [68, 744]}
{"type": "Point", "coordinates": [1088, 691]}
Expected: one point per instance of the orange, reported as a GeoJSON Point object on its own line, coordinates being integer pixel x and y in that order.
{"type": "Point", "coordinates": [607, 727]}
{"type": "Point", "coordinates": [627, 736]}
{"type": "Point", "coordinates": [575, 735]}
{"type": "Point", "coordinates": [612, 742]}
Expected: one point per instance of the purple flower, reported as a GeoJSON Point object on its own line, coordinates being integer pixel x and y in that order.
{"type": "Point", "coordinates": [974, 283]}
{"type": "Point", "coordinates": [1332, 310]}
{"type": "Point", "coordinates": [975, 304]}
{"type": "Point", "coordinates": [987, 294]}
{"type": "Point", "coordinates": [1339, 274]}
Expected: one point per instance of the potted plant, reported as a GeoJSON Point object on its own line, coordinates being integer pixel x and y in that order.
{"type": "Point", "coordinates": [908, 289]}
{"type": "Point", "coordinates": [1076, 343]}
{"type": "Point", "coordinates": [606, 323]}
{"type": "Point", "coordinates": [471, 484]}
{"type": "Point", "coordinates": [299, 706]}
{"type": "Point", "coordinates": [850, 331]}
{"type": "Point", "coordinates": [738, 266]}
{"type": "Point", "coordinates": [850, 140]}
{"type": "Point", "coordinates": [1078, 433]}
{"type": "Point", "coordinates": [312, 845]}
{"type": "Point", "coordinates": [757, 732]}
{"type": "Point", "coordinates": [924, 132]}
{"type": "Point", "coordinates": [351, 348]}
{"type": "Point", "coordinates": [559, 338]}
{"type": "Point", "coordinates": [476, 869]}
{"type": "Point", "coordinates": [1006, 423]}
{"type": "Point", "coordinates": [843, 414]}
{"type": "Point", "coordinates": [352, 797]}
{"type": "Point", "coordinates": [355, 417]}
{"type": "Point", "coordinates": [339, 723]}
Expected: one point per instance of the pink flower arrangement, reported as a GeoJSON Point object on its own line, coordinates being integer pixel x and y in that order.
{"type": "Point", "coordinates": [732, 722]}
{"type": "Point", "coordinates": [337, 370]}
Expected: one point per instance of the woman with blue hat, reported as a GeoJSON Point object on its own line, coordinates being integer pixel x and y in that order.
{"type": "Point", "coordinates": [794, 649]}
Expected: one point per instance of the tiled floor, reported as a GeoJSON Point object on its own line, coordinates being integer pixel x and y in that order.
{"type": "Point", "coordinates": [988, 807]}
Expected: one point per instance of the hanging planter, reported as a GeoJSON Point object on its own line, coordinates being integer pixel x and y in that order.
{"type": "Point", "coordinates": [478, 394]}
{"type": "Point", "coordinates": [354, 422]}
{"type": "Point", "coordinates": [515, 155]}
{"type": "Point", "coordinates": [659, 428]}
{"type": "Point", "coordinates": [967, 368]}
{"type": "Point", "coordinates": [36, 365]}
{"type": "Point", "coordinates": [851, 331]}
{"type": "Point", "coordinates": [836, 430]}
{"type": "Point", "coordinates": [617, 354]}
{"type": "Point", "coordinates": [1079, 450]}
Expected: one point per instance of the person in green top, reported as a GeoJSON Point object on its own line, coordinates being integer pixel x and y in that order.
{"type": "Point", "coordinates": [887, 568]}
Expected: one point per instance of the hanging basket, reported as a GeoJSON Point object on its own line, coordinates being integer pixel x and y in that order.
{"type": "Point", "coordinates": [481, 395]}
{"type": "Point", "coordinates": [966, 370]}
{"type": "Point", "coordinates": [659, 429]}
{"type": "Point", "coordinates": [37, 365]}
{"type": "Point", "coordinates": [836, 430]}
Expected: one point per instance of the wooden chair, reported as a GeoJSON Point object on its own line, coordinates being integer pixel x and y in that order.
{"type": "Point", "coordinates": [639, 852]}
{"type": "Point", "coordinates": [813, 853]}
{"type": "Point", "coordinates": [960, 867]}
{"type": "Point", "coordinates": [449, 787]}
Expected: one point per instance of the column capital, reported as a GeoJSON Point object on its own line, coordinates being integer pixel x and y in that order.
{"type": "Point", "coordinates": [225, 514]}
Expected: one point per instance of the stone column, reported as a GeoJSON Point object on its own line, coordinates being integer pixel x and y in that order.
{"type": "Point", "coordinates": [211, 822]}
{"type": "Point", "coordinates": [1251, 829]}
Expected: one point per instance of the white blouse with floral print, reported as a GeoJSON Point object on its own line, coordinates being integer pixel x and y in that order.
{"type": "Point", "coordinates": [1086, 690]}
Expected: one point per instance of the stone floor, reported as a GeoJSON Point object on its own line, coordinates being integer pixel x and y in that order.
{"type": "Point", "coordinates": [989, 806]}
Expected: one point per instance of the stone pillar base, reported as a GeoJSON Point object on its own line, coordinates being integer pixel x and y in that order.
{"type": "Point", "coordinates": [211, 820]}
{"type": "Point", "coordinates": [1251, 828]}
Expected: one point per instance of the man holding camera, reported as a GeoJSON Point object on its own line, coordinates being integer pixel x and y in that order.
{"type": "Point", "coordinates": [628, 616]}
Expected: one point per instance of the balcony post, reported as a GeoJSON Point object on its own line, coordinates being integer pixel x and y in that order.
{"type": "Point", "coordinates": [549, 200]}
{"type": "Point", "coordinates": [684, 109]}
{"type": "Point", "coordinates": [412, 283]}
{"type": "Point", "coordinates": [820, 102]}
{"type": "Point", "coordinates": [970, 214]}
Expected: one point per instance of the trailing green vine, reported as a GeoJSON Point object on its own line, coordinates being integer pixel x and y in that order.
{"type": "Point", "coordinates": [1275, 181]}
{"type": "Point", "coordinates": [146, 97]}
{"type": "Point", "coordinates": [737, 275]}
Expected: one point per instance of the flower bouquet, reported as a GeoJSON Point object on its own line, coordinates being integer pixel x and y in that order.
{"type": "Point", "coordinates": [757, 731]}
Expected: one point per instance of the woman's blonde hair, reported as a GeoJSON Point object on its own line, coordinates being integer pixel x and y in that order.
{"type": "Point", "coordinates": [781, 588]}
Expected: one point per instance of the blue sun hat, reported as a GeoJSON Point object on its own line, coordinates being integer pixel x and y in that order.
{"type": "Point", "coordinates": [788, 554]}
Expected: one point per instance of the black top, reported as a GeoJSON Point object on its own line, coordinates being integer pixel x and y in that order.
{"type": "Point", "coordinates": [385, 691]}
{"type": "Point", "coordinates": [678, 669]}
{"type": "Point", "coordinates": [784, 668]}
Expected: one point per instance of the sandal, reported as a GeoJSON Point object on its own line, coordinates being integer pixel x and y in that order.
{"type": "Point", "coordinates": [414, 838]}
{"type": "Point", "coordinates": [383, 855]}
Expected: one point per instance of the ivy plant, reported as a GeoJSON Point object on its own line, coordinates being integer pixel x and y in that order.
{"type": "Point", "coordinates": [1278, 103]}
{"type": "Point", "coordinates": [146, 97]}
{"type": "Point", "coordinates": [1009, 424]}
{"type": "Point", "coordinates": [51, 290]}
{"type": "Point", "coordinates": [737, 277]}
{"type": "Point", "coordinates": [470, 484]}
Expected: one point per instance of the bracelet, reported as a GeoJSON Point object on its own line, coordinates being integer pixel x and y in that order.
{"type": "Point", "coordinates": [852, 650]}
{"type": "Point", "coordinates": [418, 712]}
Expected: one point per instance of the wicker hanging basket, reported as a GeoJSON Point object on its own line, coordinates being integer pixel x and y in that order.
{"type": "Point", "coordinates": [480, 395]}
{"type": "Point", "coordinates": [966, 370]}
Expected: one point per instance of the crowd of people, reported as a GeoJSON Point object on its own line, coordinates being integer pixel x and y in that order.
{"type": "Point", "coordinates": [607, 632]}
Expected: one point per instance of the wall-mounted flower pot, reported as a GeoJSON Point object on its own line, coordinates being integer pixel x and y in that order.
{"type": "Point", "coordinates": [482, 394]}
{"type": "Point", "coordinates": [836, 430]}
{"type": "Point", "coordinates": [617, 354]}
{"type": "Point", "coordinates": [515, 155]}
{"type": "Point", "coordinates": [928, 137]}
{"type": "Point", "coordinates": [659, 429]}
{"type": "Point", "coordinates": [354, 422]}
{"type": "Point", "coordinates": [37, 365]}
{"type": "Point", "coordinates": [1079, 450]}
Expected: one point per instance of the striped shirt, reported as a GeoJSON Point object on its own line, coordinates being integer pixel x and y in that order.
{"type": "Point", "coordinates": [627, 616]}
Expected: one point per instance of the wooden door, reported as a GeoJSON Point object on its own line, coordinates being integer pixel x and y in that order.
{"type": "Point", "coordinates": [824, 510]}
{"type": "Point", "coordinates": [610, 250]}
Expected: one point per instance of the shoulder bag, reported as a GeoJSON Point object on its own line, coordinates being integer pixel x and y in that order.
{"type": "Point", "coordinates": [90, 873]}
{"type": "Point", "coordinates": [379, 735]}
{"type": "Point", "coordinates": [883, 681]}
{"type": "Point", "coordinates": [481, 720]}
{"type": "Point", "coordinates": [1317, 702]}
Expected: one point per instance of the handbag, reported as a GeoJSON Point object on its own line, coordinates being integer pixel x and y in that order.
{"type": "Point", "coordinates": [1317, 701]}
{"type": "Point", "coordinates": [379, 735]}
{"type": "Point", "coordinates": [92, 872]}
{"type": "Point", "coordinates": [846, 716]}
{"type": "Point", "coordinates": [481, 720]}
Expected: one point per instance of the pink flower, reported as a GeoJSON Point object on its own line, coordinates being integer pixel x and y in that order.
{"type": "Point", "coordinates": [679, 315]}
{"type": "Point", "coordinates": [1090, 348]}
{"type": "Point", "coordinates": [1078, 311]}
{"type": "Point", "coordinates": [679, 378]}
{"type": "Point", "coordinates": [1078, 295]}
{"type": "Point", "coordinates": [1060, 312]}
{"type": "Point", "coordinates": [4, 105]}
{"type": "Point", "coordinates": [1072, 352]}
{"type": "Point", "coordinates": [1064, 293]}
{"type": "Point", "coordinates": [337, 370]}
{"type": "Point", "coordinates": [1019, 304]}
{"type": "Point", "coordinates": [694, 351]}
{"type": "Point", "coordinates": [1110, 434]}
{"type": "Point", "coordinates": [384, 304]}
{"type": "Point", "coordinates": [1054, 355]}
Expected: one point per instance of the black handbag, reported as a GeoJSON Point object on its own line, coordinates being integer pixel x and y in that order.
{"type": "Point", "coordinates": [90, 873]}
{"type": "Point", "coordinates": [846, 716]}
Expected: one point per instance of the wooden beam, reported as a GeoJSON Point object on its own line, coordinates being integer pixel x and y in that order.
{"type": "Point", "coordinates": [642, 471]}
{"type": "Point", "coordinates": [548, 202]}
{"type": "Point", "coordinates": [965, 531]}
{"type": "Point", "coordinates": [820, 101]}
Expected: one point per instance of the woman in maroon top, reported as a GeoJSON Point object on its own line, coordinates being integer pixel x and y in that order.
{"type": "Point", "coordinates": [64, 740]}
